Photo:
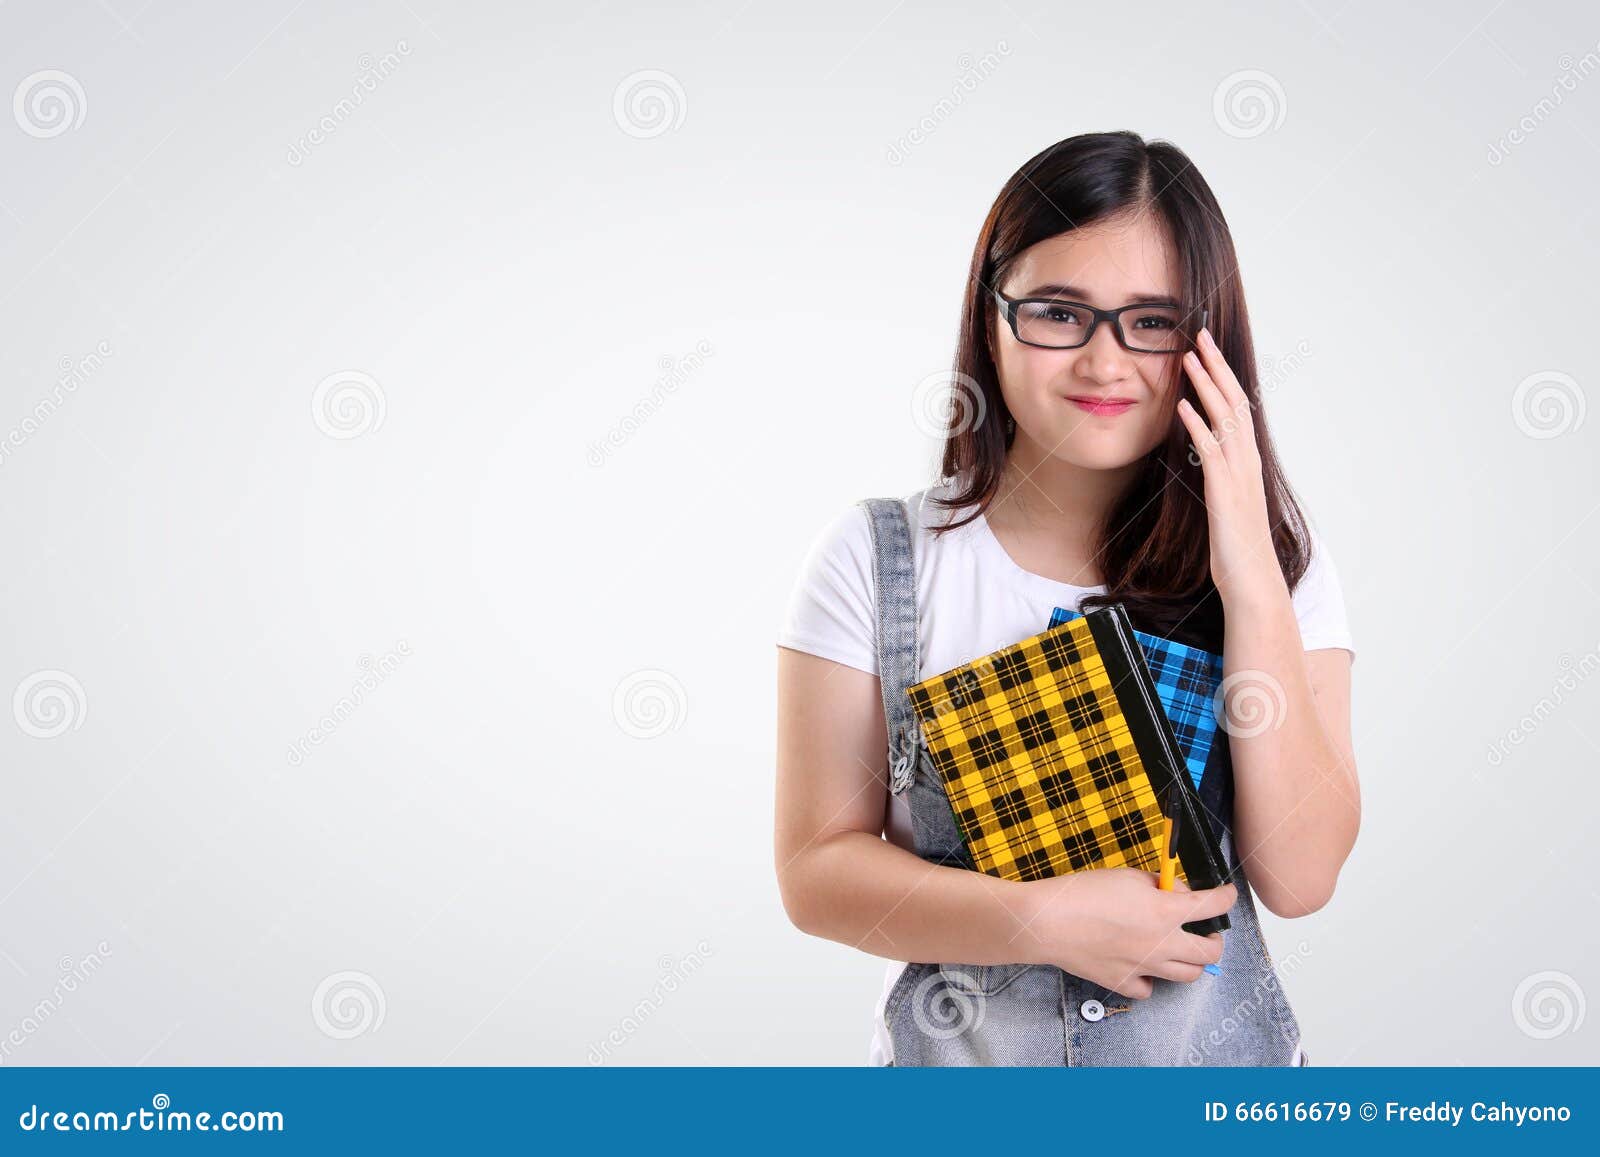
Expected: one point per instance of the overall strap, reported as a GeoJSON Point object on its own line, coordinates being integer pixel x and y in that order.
{"type": "Point", "coordinates": [911, 775]}
{"type": "Point", "coordinates": [899, 658]}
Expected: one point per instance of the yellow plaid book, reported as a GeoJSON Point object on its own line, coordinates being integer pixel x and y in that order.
{"type": "Point", "coordinates": [1038, 759]}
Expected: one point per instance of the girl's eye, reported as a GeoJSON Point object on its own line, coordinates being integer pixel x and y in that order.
{"type": "Point", "coordinates": [1148, 322]}
{"type": "Point", "coordinates": [1060, 314]}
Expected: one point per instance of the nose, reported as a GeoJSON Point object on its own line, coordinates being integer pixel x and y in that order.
{"type": "Point", "coordinates": [1103, 359]}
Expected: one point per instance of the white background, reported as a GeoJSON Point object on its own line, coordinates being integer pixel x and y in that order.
{"type": "Point", "coordinates": [521, 262]}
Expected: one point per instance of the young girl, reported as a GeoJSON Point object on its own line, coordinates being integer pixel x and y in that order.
{"type": "Point", "coordinates": [1104, 445]}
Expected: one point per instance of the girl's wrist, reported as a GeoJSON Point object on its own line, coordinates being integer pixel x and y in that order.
{"type": "Point", "coordinates": [1037, 904]}
{"type": "Point", "coordinates": [1263, 592]}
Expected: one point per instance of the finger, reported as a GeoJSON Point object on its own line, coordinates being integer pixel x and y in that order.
{"type": "Point", "coordinates": [1210, 902]}
{"type": "Point", "coordinates": [1232, 423]}
{"type": "Point", "coordinates": [1207, 390]}
{"type": "Point", "coordinates": [1231, 392]}
{"type": "Point", "coordinates": [1205, 443]}
{"type": "Point", "coordinates": [1219, 369]}
{"type": "Point", "coordinates": [1200, 950]}
{"type": "Point", "coordinates": [1136, 987]}
{"type": "Point", "coordinates": [1179, 970]}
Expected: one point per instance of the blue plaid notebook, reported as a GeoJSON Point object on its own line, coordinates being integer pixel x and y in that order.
{"type": "Point", "coordinates": [1187, 680]}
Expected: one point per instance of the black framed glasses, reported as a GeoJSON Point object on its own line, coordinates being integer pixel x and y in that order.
{"type": "Point", "coordinates": [1054, 324]}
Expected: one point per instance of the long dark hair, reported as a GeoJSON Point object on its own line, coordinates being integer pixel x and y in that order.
{"type": "Point", "coordinates": [1155, 545]}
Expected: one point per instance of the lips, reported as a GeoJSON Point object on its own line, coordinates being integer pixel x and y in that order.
{"type": "Point", "coordinates": [1103, 406]}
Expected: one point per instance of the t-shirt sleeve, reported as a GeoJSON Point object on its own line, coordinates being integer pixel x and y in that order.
{"type": "Point", "coordinates": [830, 611]}
{"type": "Point", "coordinates": [1319, 603]}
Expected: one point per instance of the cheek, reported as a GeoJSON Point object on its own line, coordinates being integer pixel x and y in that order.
{"type": "Point", "coordinates": [1026, 373]}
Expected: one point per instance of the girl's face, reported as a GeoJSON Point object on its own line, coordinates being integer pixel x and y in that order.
{"type": "Point", "coordinates": [1109, 264]}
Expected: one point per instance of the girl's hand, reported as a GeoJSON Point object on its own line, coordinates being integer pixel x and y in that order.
{"type": "Point", "coordinates": [1115, 927]}
{"type": "Point", "coordinates": [1243, 561]}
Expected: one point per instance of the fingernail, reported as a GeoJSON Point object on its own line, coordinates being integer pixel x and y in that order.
{"type": "Point", "coordinates": [1205, 336]}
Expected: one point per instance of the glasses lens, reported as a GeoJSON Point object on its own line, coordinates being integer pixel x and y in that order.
{"type": "Point", "coordinates": [1155, 329]}
{"type": "Point", "coordinates": [1052, 323]}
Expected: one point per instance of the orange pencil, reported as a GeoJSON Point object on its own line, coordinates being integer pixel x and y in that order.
{"type": "Point", "coordinates": [1169, 844]}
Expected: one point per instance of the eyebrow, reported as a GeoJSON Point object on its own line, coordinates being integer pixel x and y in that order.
{"type": "Point", "coordinates": [1077, 293]}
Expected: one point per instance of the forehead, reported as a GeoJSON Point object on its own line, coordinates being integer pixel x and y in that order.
{"type": "Point", "coordinates": [1112, 261]}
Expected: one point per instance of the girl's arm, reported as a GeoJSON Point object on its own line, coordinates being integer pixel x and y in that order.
{"type": "Point", "coordinates": [842, 881]}
{"type": "Point", "coordinates": [839, 878]}
{"type": "Point", "coordinates": [1297, 804]}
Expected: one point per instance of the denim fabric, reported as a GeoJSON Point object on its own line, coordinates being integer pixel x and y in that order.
{"type": "Point", "coordinates": [1017, 1014]}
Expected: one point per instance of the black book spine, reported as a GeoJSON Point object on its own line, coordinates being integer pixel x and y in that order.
{"type": "Point", "coordinates": [1152, 734]}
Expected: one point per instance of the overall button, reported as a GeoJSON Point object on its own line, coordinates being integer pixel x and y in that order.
{"type": "Point", "coordinates": [1092, 1010]}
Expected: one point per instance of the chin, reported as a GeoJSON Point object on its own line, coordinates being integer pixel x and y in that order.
{"type": "Point", "coordinates": [1099, 453]}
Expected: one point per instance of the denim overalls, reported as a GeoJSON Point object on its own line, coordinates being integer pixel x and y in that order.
{"type": "Point", "coordinates": [1019, 1014]}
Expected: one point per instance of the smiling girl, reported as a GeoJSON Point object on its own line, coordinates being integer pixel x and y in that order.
{"type": "Point", "coordinates": [1105, 445]}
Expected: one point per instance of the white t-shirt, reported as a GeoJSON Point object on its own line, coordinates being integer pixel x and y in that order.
{"type": "Point", "coordinates": [972, 598]}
